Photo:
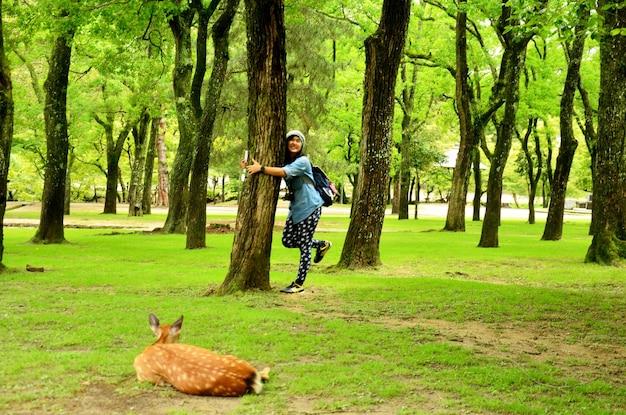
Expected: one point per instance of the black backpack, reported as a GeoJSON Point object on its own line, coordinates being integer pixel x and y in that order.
{"type": "Point", "coordinates": [324, 186]}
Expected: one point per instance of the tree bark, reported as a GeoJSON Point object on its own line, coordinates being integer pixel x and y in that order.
{"type": "Point", "coordinates": [178, 193]}
{"type": "Point", "coordinates": [196, 219]}
{"type": "Point", "coordinates": [6, 131]}
{"type": "Point", "coordinates": [455, 217]}
{"type": "Point", "coordinates": [162, 170]}
{"type": "Point", "coordinates": [513, 59]}
{"type": "Point", "coordinates": [50, 228]}
{"type": "Point", "coordinates": [135, 188]}
{"type": "Point", "coordinates": [383, 51]}
{"type": "Point", "coordinates": [408, 100]}
{"type": "Point", "coordinates": [146, 198]}
{"type": "Point", "coordinates": [553, 230]}
{"type": "Point", "coordinates": [608, 245]}
{"type": "Point", "coordinates": [114, 150]}
{"type": "Point", "coordinates": [267, 114]}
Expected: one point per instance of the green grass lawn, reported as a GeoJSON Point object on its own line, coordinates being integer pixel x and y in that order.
{"type": "Point", "coordinates": [442, 327]}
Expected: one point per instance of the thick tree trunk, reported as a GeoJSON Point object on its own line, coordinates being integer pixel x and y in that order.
{"type": "Point", "coordinates": [50, 228]}
{"type": "Point", "coordinates": [196, 219]}
{"type": "Point", "coordinates": [6, 131]}
{"type": "Point", "coordinates": [553, 230]}
{"type": "Point", "coordinates": [135, 188]}
{"type": "Point", "coordinates": [609, 182]}
{"type": "Point", "coordinates": [383, 51]}
{"type": "Point", "coordinates": [267, 114]}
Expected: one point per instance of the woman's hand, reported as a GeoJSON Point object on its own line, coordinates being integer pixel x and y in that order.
{"type": "Point", "coordinates": [253, 168]}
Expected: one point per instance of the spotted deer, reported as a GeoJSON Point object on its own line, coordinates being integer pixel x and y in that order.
{"type": "Point", "coordinates": [192, 369]}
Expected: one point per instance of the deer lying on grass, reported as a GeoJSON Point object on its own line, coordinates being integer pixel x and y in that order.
{"type": "Point", "coordinates": [195, 370]}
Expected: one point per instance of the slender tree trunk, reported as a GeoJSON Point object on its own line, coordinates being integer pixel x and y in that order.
{"type": "Point", "coordinates": [114, 150]}
{"type": "Point", "coordinates": [68, 182]}
{"type": "Point", "coordinates": [135, 189]}
{"type": "Point", "coordinates": [491, 223]}
{"type": "Point", "coordinates": [146, 198]}
{"type": "Point", "coordinates": [383, 51]}
{"type": "Point", "coordinates": [455, 218]}
{"type": "Point", "coordinates": [553, 230]}
{"type": "Point", "coordinates": [162, 170]}
{"type": "Point", "coordinates": [510, 71]}
{"type": "Point", "coordinates": [408, 100]}
{"type": "Point", "coordinates": [50, 228]}
{"type": "Point", "coordinates": [609, 182]}
{"type": "Point", "coordinates": [196, 219]}
{"type": "Point", "coordinates": [478, 184]}
{"type": "Point", "coordinates": [267, 114]}
{"type": "Point", "coordinates": [6, 131]}
{"type": "Point", "coordinates": [183, 69]}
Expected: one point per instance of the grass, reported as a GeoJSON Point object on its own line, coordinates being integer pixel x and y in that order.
{"type": "Point", "coordinates": [442, 327]}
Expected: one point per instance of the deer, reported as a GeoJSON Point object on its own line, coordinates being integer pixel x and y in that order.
{"type": "Point", "coordinates": [195, 370]}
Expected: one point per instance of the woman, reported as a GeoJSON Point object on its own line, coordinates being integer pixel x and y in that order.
{"type": "Point", "coordinates": [305, 206]}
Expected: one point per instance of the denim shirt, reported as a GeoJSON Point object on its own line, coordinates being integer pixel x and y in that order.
{"type": "Point", "coordinates": [306, 198]}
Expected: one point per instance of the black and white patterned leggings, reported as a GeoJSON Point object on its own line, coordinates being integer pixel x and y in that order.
{"type": "Point", "coordinates": [300, 235]}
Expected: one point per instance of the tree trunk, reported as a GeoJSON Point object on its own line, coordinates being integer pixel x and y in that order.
{"type": "Point", "coordinates": [135, 188]}
{"type": "Point", "coordinates": [114, 150]}
{"type": "Point", "coordinates": [608, 245]}
{"type": "Point", "coordinates": [68, 182]}
{"type": "Point", "coordinates": [455, 218]}
{"type": "Point", "coordinates": [162, 171]}
{"type": "Point", "coordinates": [510, 70]}
{"type": "Point", "coordinates": [408, 100]}
{"type": "Point", "coordinates": [267, 114]}
{"type": "Point", "coordinates": [196, 219]}
{"type": "Point", "coordinates": [383, 51]}
{"type": "Point", "coordinates": [50, 228]}
{"type": "Point", "coordinates": [146, 197]}
{"type": "Point", "coordinates": [6, 132]}
{"type": "Point", "coordinates": [178, 194]}
{"type": "Point", "coordinates": [478, 184]}
{"type": "Point", "coordinates": [553, 230]}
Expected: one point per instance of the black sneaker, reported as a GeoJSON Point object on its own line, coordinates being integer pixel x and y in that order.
{"type": "Point", "coordinates": [321, 251]}
{"type": "Point", "coordinates": [293, 288]}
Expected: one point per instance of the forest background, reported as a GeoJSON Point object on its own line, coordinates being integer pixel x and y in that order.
{"type": "Point", "coordinates": [122, 63]}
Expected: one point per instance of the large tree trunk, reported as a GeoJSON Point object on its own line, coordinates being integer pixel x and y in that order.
{"type": "Point", "coordinates": [6, 132]}
{"type": "Point", "coordinates": [178, 194]}
{"type": "Point", "coordinates": [553, 230]}
{"type": "Point", "coordinates": [196, 219]}
{"type": "Point", "coordinates": [267, 114]}
{"type": "Point", "coordinates": [383, 51]}
{"type": "Point", "coordinates": [50, 228]}
{"type": "Point", "coordinates": [135, 188]}
{"type": "Point", "coordinates": [609, 181]}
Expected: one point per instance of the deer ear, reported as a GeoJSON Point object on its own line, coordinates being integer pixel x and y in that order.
{"type": "Point", "coordinates": [155, 324]}
{"type": "Point", "coordinates": [176, 327]}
